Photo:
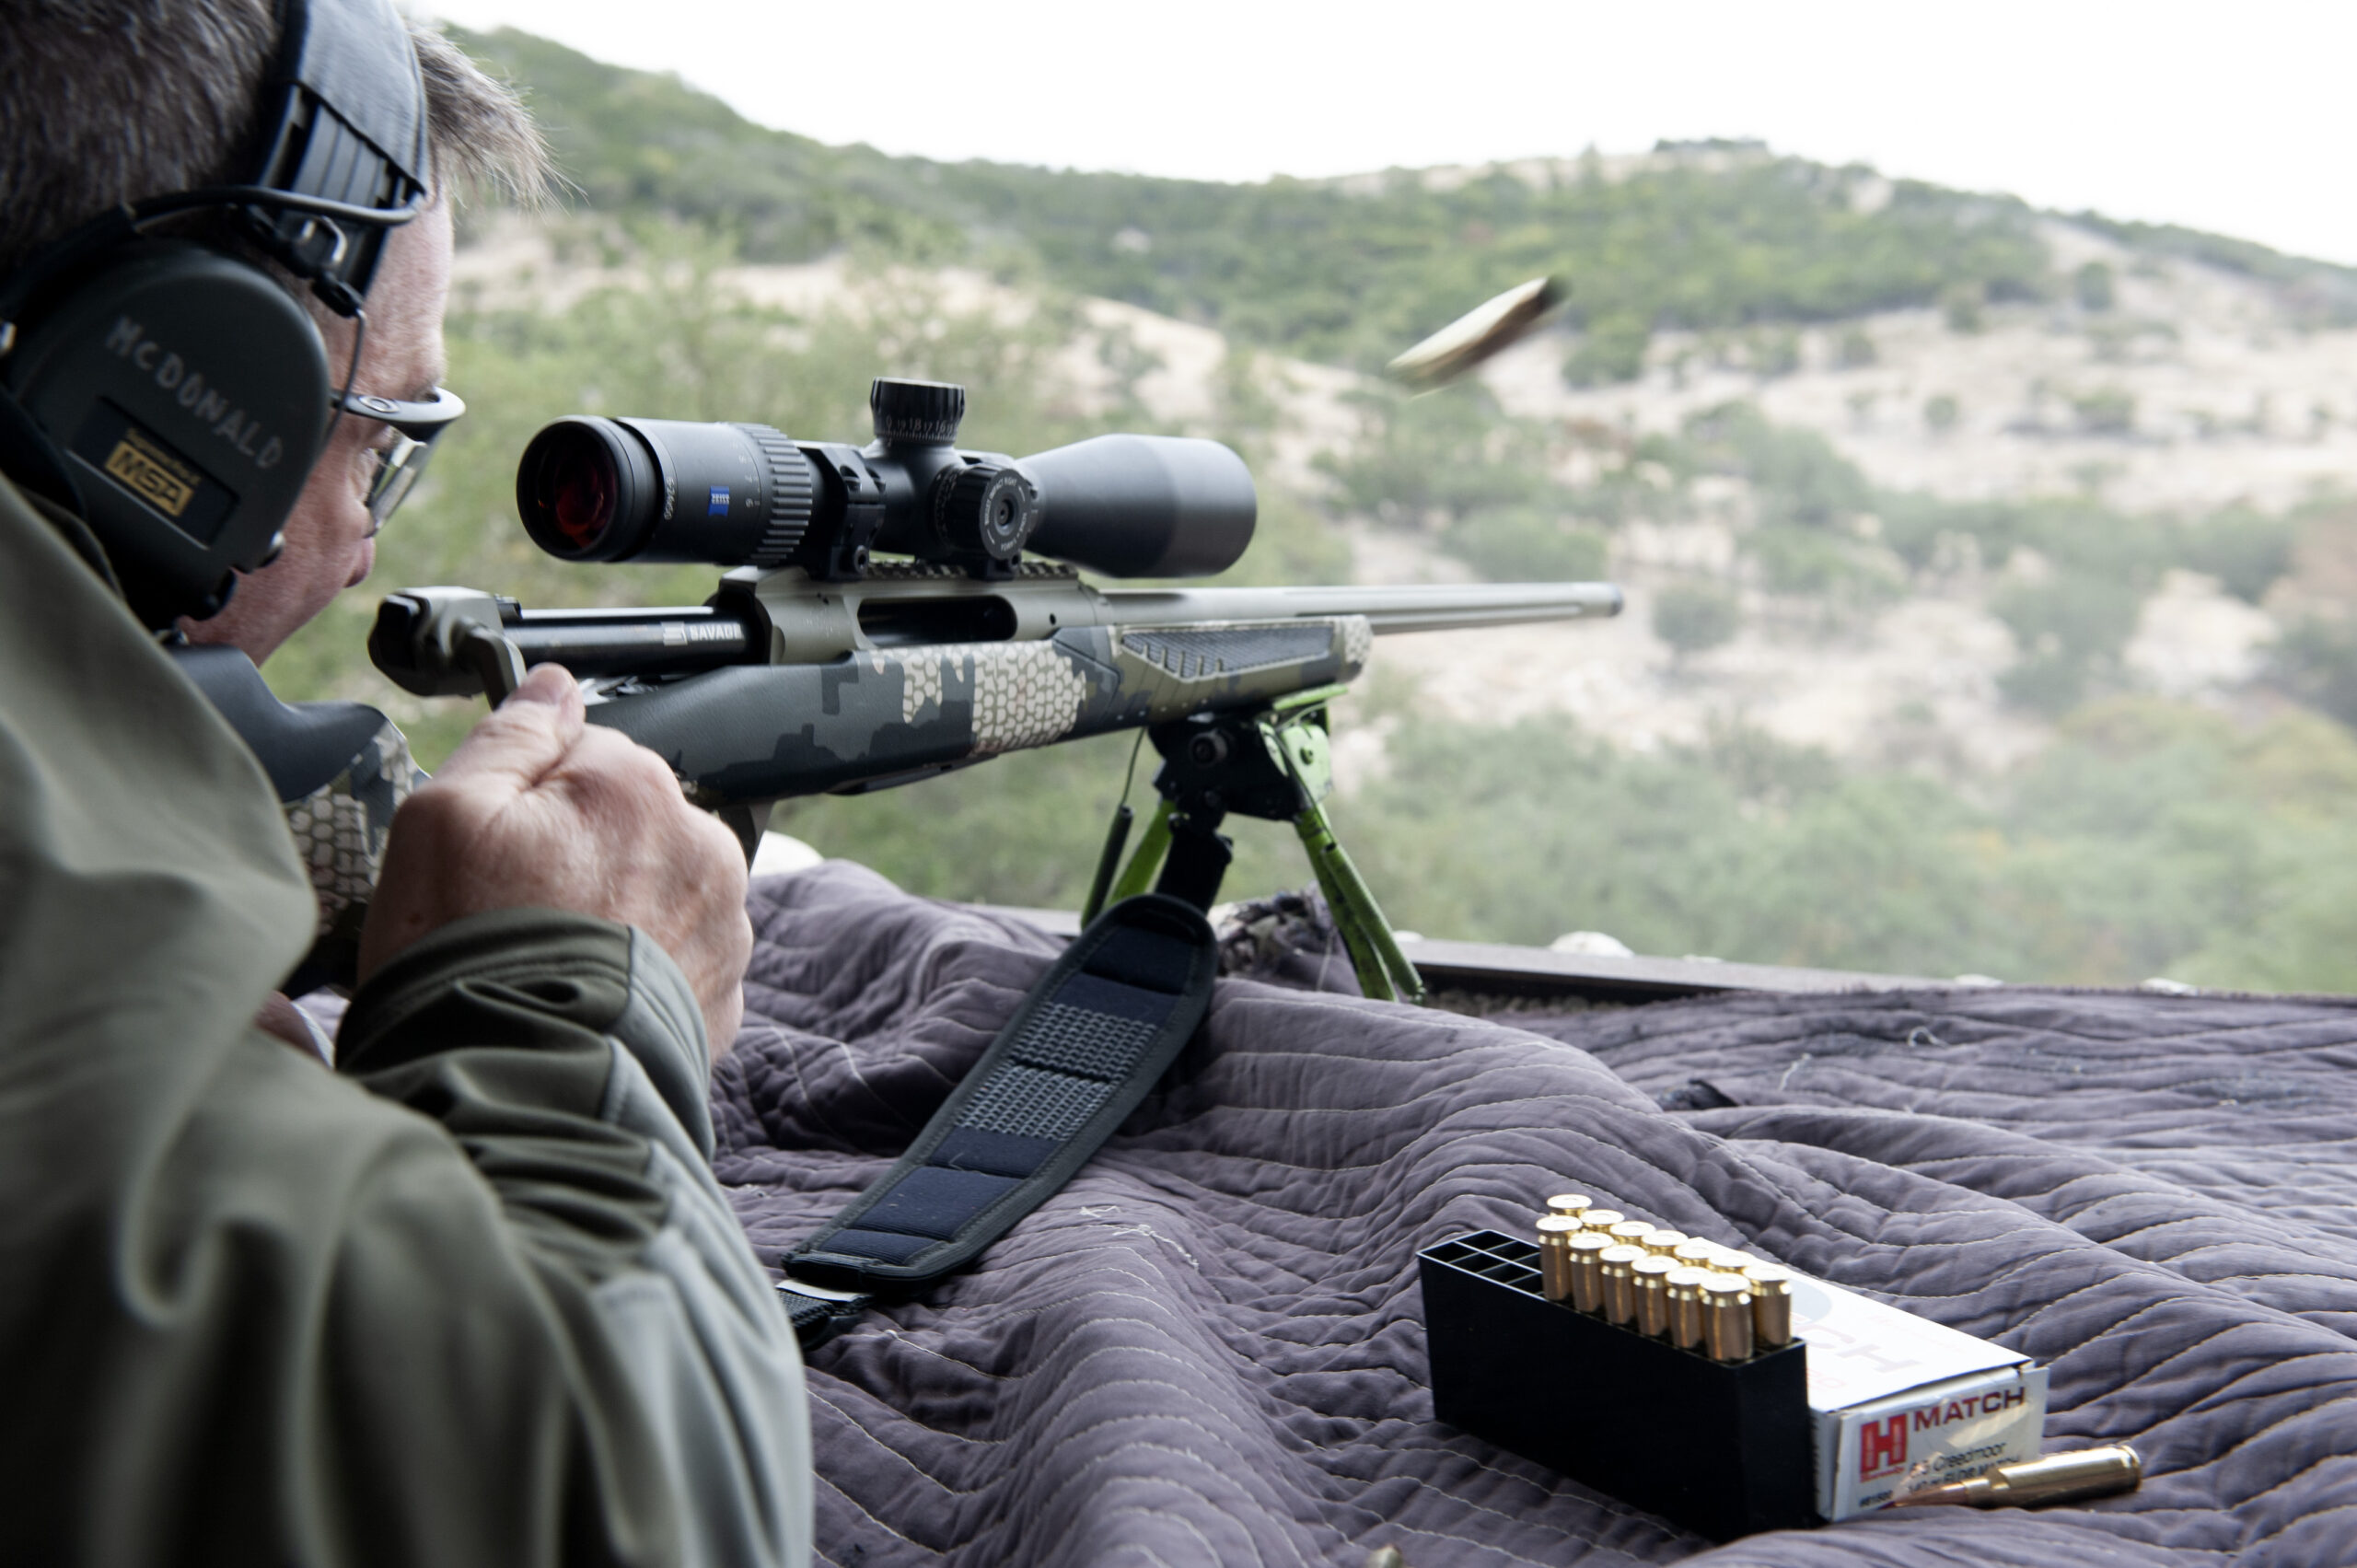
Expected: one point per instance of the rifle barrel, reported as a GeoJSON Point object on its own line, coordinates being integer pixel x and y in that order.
{"type": "Point", "coordinates": [1420, 607]}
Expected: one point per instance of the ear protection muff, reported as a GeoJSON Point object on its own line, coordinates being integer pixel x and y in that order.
{"type": "Point", "coordinates": [187, 395]}
{"type": "Point", "coordinates": [180, 387]}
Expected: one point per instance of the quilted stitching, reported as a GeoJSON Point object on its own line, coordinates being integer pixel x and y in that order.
{"type": "Point", "coordinates": [1208, 1348]}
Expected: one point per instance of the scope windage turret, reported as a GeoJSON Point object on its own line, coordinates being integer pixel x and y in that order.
{"type": "Point", "coordinates": [654, 490]}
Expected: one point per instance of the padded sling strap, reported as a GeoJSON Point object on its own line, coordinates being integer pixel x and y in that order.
{"type": "Point", "coordinates": [1079, 1054]}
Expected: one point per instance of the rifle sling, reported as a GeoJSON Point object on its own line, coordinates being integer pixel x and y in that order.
{"type": "Point", "coordinates": [1084, 1047]}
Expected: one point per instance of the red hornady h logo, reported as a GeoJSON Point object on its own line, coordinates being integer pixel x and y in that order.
{"type": "Point", "coordinates": [1882, 1447]}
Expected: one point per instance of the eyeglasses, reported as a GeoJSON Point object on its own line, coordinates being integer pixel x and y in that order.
{"type": "Point", "coordinates": [416, 427]}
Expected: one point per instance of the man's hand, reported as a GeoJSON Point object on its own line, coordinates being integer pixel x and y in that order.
{"type": "Point", "coordinates": [539, 808]}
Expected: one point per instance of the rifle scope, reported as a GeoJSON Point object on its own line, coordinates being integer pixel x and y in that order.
{"type": "Point", "coordinates": [652, 490]}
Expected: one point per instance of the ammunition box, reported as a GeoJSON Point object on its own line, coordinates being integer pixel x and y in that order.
{"type": "Point", "coordinates": [1721, 1449]}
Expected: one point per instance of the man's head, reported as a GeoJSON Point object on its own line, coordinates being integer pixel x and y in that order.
{"type": "Point", "coordinates": [108, 102]}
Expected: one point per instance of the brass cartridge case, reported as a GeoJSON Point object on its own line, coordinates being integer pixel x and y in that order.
{"type": "Point", "coordinates": [1601, 1220]}
{"type": "Point", "coordinates": [2057, 1477]}
{"type": "Point", "coordinates": [1666, 1242]}
{"type": "Point", "coordinates": [1620, 1284]}
{"type": "Point", "coordinates": [1571, 1203]}
{"type": "Point", "coordinates": [1726, 1318]}
{"type": "Point", "coordinates": [1772, 1305]}
{"type": "Point", "coordinates": [1633, 1232]}
{"type": "Point", "coordinates": [1648, 1276]}
{"type": "Point", "coordinates": [1683, 1285]}
{"type": "Point", "coordinates": [1555, 1232]}
{"type": "Point", "coordinates": [1696, 1253]}
{"type": "Point", "coordinates": [1583, 1257]}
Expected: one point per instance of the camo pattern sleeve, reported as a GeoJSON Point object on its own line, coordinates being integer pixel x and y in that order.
{"type": "Point", "coordinates": [340, 830]}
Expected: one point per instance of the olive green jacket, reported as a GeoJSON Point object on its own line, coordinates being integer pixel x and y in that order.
{"type": "Point", "coordinates": [473, 1297]}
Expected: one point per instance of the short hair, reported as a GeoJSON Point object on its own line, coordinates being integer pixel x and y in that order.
{"type": "Point", "coordinates": [106, 101]}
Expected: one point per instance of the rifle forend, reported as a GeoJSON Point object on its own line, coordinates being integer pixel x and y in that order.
{"type": "Point", "coordinates": [789, 686]}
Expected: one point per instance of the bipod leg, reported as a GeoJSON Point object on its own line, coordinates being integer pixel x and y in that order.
{"type": "Point", "coordinates": [1295, 730]}
{"type": "Point", "coordinates": [1383, 969]}
{"type": "Point", "coordinates": [1116, 837]}
{"type": "Point", "coordinates": [1198, 861]}
{"type": "Point", "coordinates": [1138, 875]}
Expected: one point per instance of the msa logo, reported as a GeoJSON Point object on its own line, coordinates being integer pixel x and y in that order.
{"type": "Point", "coordinates": [1882, 1446]}
{"type": "Point", "coordinates": [150, 472]}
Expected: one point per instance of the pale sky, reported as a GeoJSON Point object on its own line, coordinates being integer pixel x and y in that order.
{"type": "Point", "coordinates": [2231, 118]}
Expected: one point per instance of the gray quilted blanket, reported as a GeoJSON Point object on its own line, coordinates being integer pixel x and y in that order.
{"type": "Point", "coordinates": [1208, 1349]}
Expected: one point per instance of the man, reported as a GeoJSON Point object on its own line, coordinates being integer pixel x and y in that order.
{"type": "Point", "coordinates": [474, 1297]}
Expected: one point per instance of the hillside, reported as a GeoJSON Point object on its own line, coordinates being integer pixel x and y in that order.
{"type": "Point", "coordinates": [1990, 588]}
{"type": "Point", "coordinates": [1701, 237]}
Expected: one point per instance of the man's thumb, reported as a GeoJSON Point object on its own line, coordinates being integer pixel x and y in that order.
{"type": "Point", "coordinates": [526, 736]}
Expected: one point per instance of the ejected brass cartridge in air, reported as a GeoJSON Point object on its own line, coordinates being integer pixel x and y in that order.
{"type": "Point", "coordinates": [1726, 1318]}
{"type": "Point", "coordinates": [1584, 1260]}
{"type": "Point", "coordinates": [1555, 1232]}
{"type": "Point", "coordinates": [1571, 1203]}
{"type": "Point", "coordinates": [1649, 1278]}
{"type": "Point", "coordinates": [1772, 1305]}
{"type": "Point", "coordinates": [1666, 1242]}
{"type": "Point", "coordinates": [1620, 1284]}
{"type": "Point", "coordinates": [2057, 1477]}
{"type": "Point", "coordinates": [1633, 1232]}
{"type": "Point", "coordinates": [1683, 1285]}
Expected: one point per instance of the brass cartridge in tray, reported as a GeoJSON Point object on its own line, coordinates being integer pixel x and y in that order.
{"type": "Point", "coordinates": [1721, 1447]}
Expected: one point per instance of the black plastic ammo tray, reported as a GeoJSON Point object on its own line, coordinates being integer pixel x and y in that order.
{"type": "Point", "coordinates": [1721, 1447]}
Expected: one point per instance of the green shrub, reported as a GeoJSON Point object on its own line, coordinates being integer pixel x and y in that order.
{"type": "Point", "coordinates": [1961, 306]}
{"type": "Point", "coordinates": [1797, 477]}
{"type": "Point", "coordinates": [1942, 412]}
{"type": "Point", "coordinates": [1856, 350]}
{"type": "Point", "coordinates": [1527, 544]}
{"type": "Point", "coordinates": [1694, 618]}
{"type": "Point", "coordinates": [2315, 661]}
{"type": "Point", "coordinates": [2246, 551]}
{"type": "Point", "coordinates": [1817, 564]}
{"type": "Point", "coordinates": [2071, 629]}
{"type": "Point", "coordinates": [2107, 410]}
{"type": "Point", "coordinates": [2093, 284]}
{"type": "Point", "coordinates": [1612, 349]}
{"type": "Point", "coordinates": [1449, 454]}
{"type": "Point", "coordinates": [2050, 683]}
{"type": "Point", "coordinates": [1773, 351]}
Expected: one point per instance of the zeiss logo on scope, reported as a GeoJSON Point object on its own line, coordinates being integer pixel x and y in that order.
{"type": "Point", "coordinates": [719, 508]}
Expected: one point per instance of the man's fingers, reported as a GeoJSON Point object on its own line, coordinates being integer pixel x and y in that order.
{"type": "Point", "coordinates": [527, 736]}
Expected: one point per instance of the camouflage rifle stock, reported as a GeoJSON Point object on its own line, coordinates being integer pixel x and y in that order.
{"type": "Point", "coordinates": [789, 687]}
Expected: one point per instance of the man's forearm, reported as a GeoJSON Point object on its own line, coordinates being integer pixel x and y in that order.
{"type": "Point", "coordinates": [566, 1056]}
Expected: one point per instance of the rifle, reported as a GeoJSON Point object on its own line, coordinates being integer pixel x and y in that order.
{"type": "Point", "coordinates": [816, 668]}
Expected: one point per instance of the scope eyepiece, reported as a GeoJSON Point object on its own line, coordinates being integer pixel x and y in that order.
{"type": "Point", "coordinates": [652, 490]}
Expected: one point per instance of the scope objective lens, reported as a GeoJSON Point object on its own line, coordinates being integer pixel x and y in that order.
{"type": "Point", "coordinates": [580, 482]}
